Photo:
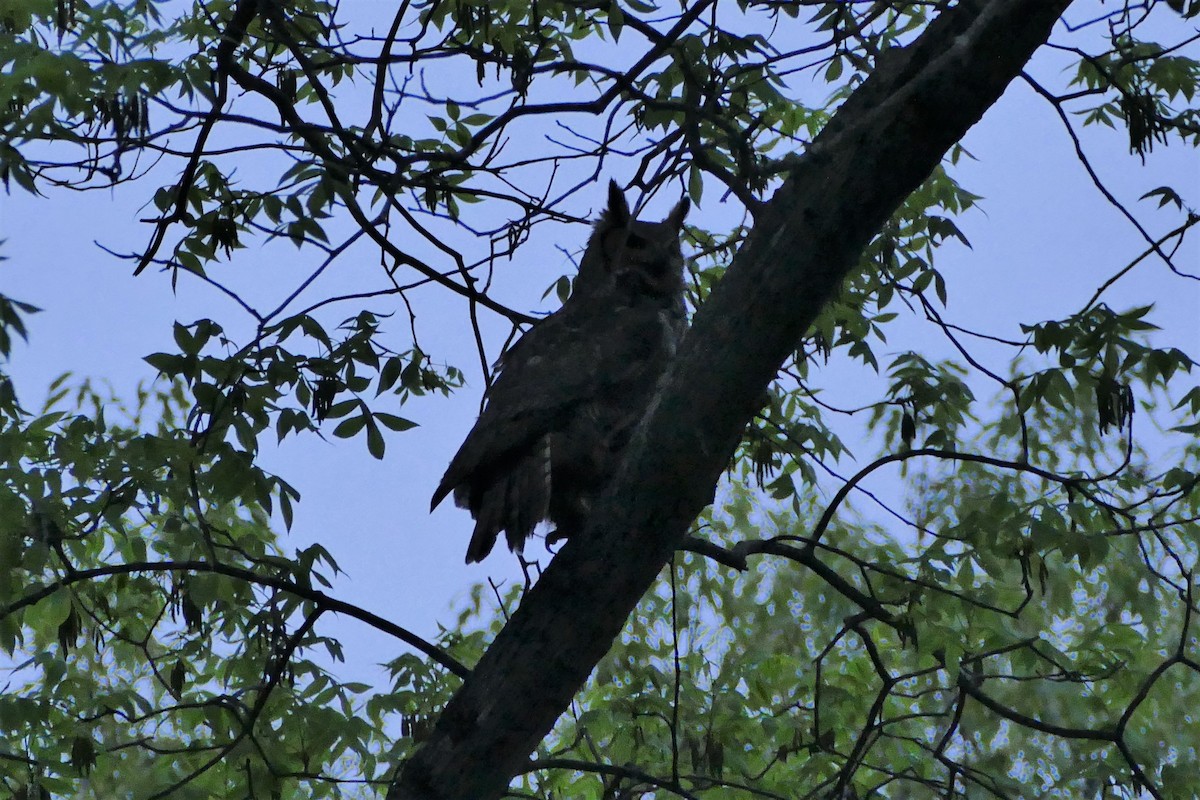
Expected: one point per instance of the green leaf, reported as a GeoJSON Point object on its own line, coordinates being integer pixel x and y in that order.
{"type": "Point", "coordinates": [350, 427]}
{"type": "Point", "coordinates": [616, 19]}
{"type": "Point", "coordinates": [375, 442]}
{"type": "Point", "coordinates": [393, 422]}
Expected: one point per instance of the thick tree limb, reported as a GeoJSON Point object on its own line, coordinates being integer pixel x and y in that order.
{"type": "Point", "coordinates": [878, 148]}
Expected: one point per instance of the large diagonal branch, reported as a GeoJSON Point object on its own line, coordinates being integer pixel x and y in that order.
{"type": "Point", "coordinates": [882, 143]}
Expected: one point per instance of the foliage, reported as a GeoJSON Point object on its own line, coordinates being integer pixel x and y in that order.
{"type": "Point", "coordinates": [1030, 611]}
{"type": "Point", "coordinates": [1024, 626]}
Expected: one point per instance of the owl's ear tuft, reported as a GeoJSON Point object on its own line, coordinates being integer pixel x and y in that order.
{"type": "Point", "coordinates": [618, 209]}
{"type": "Point", "coordinates": [675, 218]}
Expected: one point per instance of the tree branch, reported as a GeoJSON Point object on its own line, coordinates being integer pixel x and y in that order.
{"type": "Point", "coordinates": [883, 142]}
{"type": "Point", "coordinates": [322, 600]}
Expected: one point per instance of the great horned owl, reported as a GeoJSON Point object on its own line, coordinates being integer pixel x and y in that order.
{"type": "Point", "coordinates": [569, 393]}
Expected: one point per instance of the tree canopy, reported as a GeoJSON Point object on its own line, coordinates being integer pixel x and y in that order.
{"type": "Point", "coordinates": [832, 565]}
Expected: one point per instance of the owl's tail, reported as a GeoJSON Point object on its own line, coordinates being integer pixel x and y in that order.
{"type": "Point", "coordinates": [513, 501]}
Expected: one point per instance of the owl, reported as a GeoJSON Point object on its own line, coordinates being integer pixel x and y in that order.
{"type": "Point", "coordinates": [569, 393]}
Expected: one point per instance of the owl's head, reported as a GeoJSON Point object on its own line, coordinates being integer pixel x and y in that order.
{"type": "Point", "coordinates": [645, 256]}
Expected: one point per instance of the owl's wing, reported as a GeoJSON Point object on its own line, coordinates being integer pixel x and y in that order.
{"type": "Point", "coordinates": [501, 471]}
{"type": "Point", "coordinates": [541, 378]}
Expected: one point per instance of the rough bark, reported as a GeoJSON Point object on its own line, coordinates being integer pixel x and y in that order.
{"type": "Point", "coordinates": [882, 143]}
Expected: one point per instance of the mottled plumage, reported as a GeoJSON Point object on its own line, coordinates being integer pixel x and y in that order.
{"type": "Point", "coordinates": [569, 393]}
